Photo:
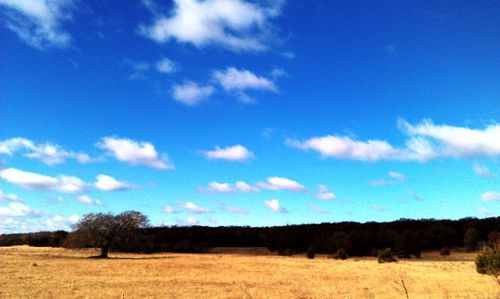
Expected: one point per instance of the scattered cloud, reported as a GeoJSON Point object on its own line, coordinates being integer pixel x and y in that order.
{"type": "Point", "coordinates": [231, 153]}
{"type": "Point", "coordinates": [484, 212]}
{"type": "Point", "coordinates": [413, 195]}
{"type": "Point", "coordinates": [483, 171]}
{"type": "Point", "coordinates": [280, 183]}
{"type": "Point", "coordinates": [135, 152]}
{"type": "Point", "coordinates": [58, 222]}
{"type": "Point", "coordinates": [425, 141]}
{"type": "Point", "coordinates": [317, 209]}
{"type": "Point", "coordinates": [193, 207]}
{"type": "Point", "coordinates": [168, 209]}
{"type": "Point", "coordinates": [85, 199]}
{"type": "Point", "coordinates": [16, 209]}
{"type": "Point", "coordinates": [232, 24]}
{"type": "Point", "coordinates": [391, 49]}
{"type": "Point", "coordinates": [35, 181]}
{"type": "Point", "coordinates": [289, 55]}
{"type": "Point", "coordinates": [324, 193]}
{"type": "Point", "coordinates": [7, 197]}
{"type": "Point", "coordinates": [48, 153]}
{"type": "Point", "coordinates": [490, 196]}
{"type": "Point", "coordinates": [192, 220]}
{"type": "Point", "coordinates": [107, 183]}
{"type": "Point", "coordinates": [238, 81]}
{"type": "Point", "coordinates": [274, 205]}
{"type": "Point", "coordinates": [39, 22]}
{"type": "Point", "coordinates": [191, 93]}
{"type": "Point", "coordinates": [165, 66]}
{"type": "Point", "coordinates": [239, 186]}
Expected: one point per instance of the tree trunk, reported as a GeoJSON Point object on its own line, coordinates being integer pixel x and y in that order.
{"type": "Point", "coordinates": [104, 252]}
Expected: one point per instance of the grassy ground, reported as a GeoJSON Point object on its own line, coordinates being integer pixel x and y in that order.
{"type": "Point", "coordinates": [27, 272]}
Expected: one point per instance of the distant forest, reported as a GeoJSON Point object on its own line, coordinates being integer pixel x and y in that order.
{"type": "Point", "coordinates": [405, 237]}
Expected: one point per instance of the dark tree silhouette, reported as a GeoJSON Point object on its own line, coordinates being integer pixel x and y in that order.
{"type": "Point", "coordinates": [105, 230]}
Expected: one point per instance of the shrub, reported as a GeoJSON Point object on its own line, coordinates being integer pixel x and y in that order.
{"type": "Point", "coordinates": [340, 254]}
{"type": "Point", "coordinates": [488, 262]}
{"type": "Point", "coordinates": [445, 251]}
{"type": "Point", "coordinates": [386, 256]}
{"type": "Point", "coordinates": [310, 253]}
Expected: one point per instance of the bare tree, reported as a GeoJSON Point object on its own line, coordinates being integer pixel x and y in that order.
{"type": "Point", "coordinates": [103, 230]}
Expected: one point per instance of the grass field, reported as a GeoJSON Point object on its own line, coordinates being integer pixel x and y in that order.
{"type": "Point", "coordinates": [28, 272]}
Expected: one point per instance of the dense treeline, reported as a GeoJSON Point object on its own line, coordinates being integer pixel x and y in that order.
{"type": "Point", "coordinates": [405, 237]}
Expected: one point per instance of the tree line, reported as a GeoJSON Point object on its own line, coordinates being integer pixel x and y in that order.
{"type": "Point", "coordinates": [130, 232]}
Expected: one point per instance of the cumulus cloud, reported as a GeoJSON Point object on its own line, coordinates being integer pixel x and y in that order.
{"type": "Point", "coordinates": [275, 205]}
{"type": "Point", "coordinates": [239, 81]}
{"type": "Point", "coordinates": [35, 181]}
{"type": "Point", "coordinates": [107, 183]}
{"type": "Point", "coordinates": [324, 193]}
{"type": "Point", "coordinates": [231, 153]}
{"type": "Point", "coordinates": [58, 222]}
{"type": "Point", "coordinates": [168, 209]}
{"type": "Point", "coordinates": [7, 197]}
{"type": "Point", "coordinates": [216, 187]}
{"type": "Point", "coordinates": [48, 153]}
{"type": "Point", "coordinates": [191, 93]}
{"type": "Point", "coordinates": [165, 66]}
{"type": "Point", "coordinates": [193, 207]}
{"type": "Point", "coordinates": [39, 22]}
{"type": "Point", "coordinates": [192, 220]}
{"type": "Point", "coordinates": [490, 196]}
{"type": "Point", "coordinates": [425, 141]}
{"type": "Point", "coordinates": [135, 152]}
{"type": "Point", "coordinates": [280, 183]}
{"type": "Point", "coordinates": [232, 24]}
{"type": "Point", "coordinates": [483, 171]}
{"type": "Point", "coordinates": [16, 209]}
{"type": "Point", "coordinates": [85, 199]}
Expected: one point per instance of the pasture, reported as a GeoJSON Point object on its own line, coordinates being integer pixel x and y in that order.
{"type": "Point", "coordinates": [30, 272]}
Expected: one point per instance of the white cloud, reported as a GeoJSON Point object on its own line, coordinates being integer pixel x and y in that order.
{"type": "Point", "coordinates": [193, 207]}
{"type": "Point", "coordinates": [34, 181]}
{"type": "Point", "coordinates": [7, 197]}
{"type": "Point", "coordinates": [85, 199]}
{"type": "Point", "coordinates": [192, 220]}
{"type": "Point", "coordinates": [39, 22]}
{"type": "Point", "coordinates": [15, 209]}
{"type": "Point", "coordinates": [165, 66]}
{"type": "Point", "coordinates": [324, 193]}
{"type": "Point", "coordinates": [280, 183]}
{"type": "Point", "coordinates": [396, 178]}
{"type": "Point", "coordinates": [274, 205]}
{"type": "Point", "coordinates": [233, 79]}
{"type": "Point", "coordinates": [490, 196]}
{"type": "Point", "coordinates": [233, 24]}
{"type": "Point", "coordinates": [239, 186]}
{"type": "Point", "coordinates": [135, 152]}
{"type": "Point", "coordinates": [231, 153]}
{"type": "Point", "coordinates": [107, 183]}
{"type": "Point", "coordinates": [426, 141]}
{"type": "Point", "coordinates": [191, 93]}
{"type": "Point", "coordinates": [48, 153]}
{"type": "Point", "coordinates": [483, 171]}
{"type": "Point", "coordinates": [168, 209]}
{"type": "Point", "coordinates": [317, 209]}
{"type": "Point", "coordinates": [58, 222]}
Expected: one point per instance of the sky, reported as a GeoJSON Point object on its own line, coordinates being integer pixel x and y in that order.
{"type": "Point", "coordinates": [231, 112]}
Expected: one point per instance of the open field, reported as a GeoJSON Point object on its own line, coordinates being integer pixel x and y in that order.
{"type": "Point", "coordinates": [28, 272]}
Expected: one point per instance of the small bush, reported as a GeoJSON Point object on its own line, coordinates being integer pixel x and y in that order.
{"type": "Point", "coordinates": [445, 252]}
{"type": "Point", "coordinates": [310, 253]}
{"type": "Point", "coordinates": [488, 262]}
{"type": "Point", "coordinates": [386, 256]}
{"type": "Point", "coordinates": [340, 254]}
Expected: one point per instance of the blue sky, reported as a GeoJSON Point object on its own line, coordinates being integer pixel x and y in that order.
{"type": "Point", "coordinates": [228, 112]}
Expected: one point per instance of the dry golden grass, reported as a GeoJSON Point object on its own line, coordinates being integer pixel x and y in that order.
{"type": "Point", "coordinates": [27, 272]}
